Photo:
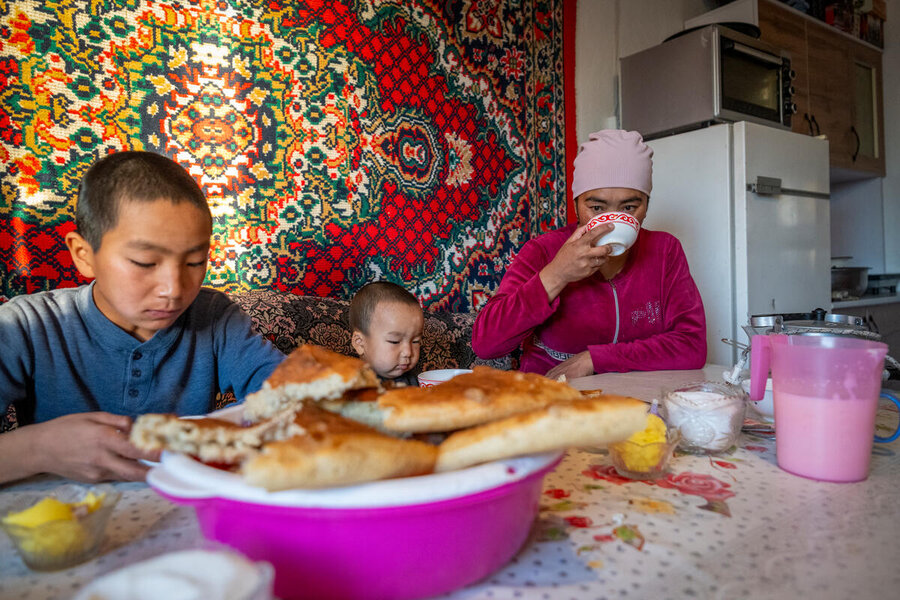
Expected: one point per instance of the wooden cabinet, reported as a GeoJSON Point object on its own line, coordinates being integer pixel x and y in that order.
{"type": "Point", "coordinates": [837, 88]}
{"type": "Point", "coordinates": [867, 109]}
{"type": "Point", "coordinates": [830, 95]}
{"type": "Point", "coordinates": [786, 30]}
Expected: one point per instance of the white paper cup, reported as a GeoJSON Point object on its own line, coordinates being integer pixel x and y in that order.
{"type": "Point", "coordinates": [430, 378]}
{"type": "Point", "coordinates": [622, 237]}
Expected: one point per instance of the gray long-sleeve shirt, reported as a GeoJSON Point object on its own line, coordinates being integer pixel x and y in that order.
{"type": "Point", "coordinates": [60, 355]}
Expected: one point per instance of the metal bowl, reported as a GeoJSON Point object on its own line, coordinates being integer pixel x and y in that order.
{"type": "Point", "coordinates": [852, 320]}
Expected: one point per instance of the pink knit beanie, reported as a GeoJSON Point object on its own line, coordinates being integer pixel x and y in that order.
{"type": "Point", "coordinates": [613, 158]}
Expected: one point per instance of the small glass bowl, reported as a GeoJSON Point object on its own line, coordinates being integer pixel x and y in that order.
{"type": "Point", "coordinates": [708, 414]}
{"type": "Point", "coordinates": [644, 461]}
{"type": "Point", "coordinates": [60, 544]}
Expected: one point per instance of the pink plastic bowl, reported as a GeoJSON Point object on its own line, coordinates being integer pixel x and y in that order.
{"type": "Point", "coordinates": [391, 552]}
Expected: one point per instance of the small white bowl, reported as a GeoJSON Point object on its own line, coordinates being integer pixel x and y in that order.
{"type": "Point", "coordinates": [430, 378]}
{"type": "Point", "coordinates": [187, 574]}
{"type": "Point", "coordinates": [622, 236]}
{"type": "Point", "coordinates": [765, 407]}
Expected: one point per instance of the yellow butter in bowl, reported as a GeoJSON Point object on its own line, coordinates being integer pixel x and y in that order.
{"type": "Point", "coordinates": [92, 501]}
{"type": "Point", "coordinates": [53, 509]}
{"type": "Point", "coordinates": [48, 509]}
{"type": "Point", "coordinates": [646, 453]}
{"type": "Point", "coordinates": [61, 530]}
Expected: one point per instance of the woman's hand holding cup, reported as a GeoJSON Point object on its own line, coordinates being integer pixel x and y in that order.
{"type": "Point", "coordinates": [577, 258]}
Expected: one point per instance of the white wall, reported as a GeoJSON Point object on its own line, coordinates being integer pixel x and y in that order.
{"type": "Point", "coordinates": [596, 58]}
{"type": "Point", "coordinates": [856, 230]}
{"type": "Point", "coordinates": [606, 30]}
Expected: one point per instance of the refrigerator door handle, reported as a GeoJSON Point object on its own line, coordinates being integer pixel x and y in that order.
{"type": "Point", "coordinates": [771, 186]}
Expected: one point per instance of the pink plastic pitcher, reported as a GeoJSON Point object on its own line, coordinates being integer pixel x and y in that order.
{"type": "Point", "coordinates": [826, 391]}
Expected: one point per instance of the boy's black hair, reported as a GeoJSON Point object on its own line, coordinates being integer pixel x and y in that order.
{"type": "Point", "coordinates": [134, 176]}
{"type": "Point", "coordinates": [362, 307]}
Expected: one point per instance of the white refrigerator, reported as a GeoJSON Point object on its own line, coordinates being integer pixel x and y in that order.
{"type": "Point", "coordinates": [749, 204]}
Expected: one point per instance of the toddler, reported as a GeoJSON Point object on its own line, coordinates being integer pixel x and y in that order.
{"type": "Point", "coordinates": [386, 323]}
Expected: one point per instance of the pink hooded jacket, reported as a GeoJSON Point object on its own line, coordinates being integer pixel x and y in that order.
{"type": "Point", "coordinates": [648, 317]}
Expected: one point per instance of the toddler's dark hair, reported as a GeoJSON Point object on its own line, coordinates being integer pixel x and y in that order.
{"type": "Point", "coordinates": [362, 307]}
{"type": "Point", "coordinates": [133, 176]}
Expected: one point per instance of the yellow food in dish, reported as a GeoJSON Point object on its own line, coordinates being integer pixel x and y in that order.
{"type": "Point", "coordinates": [51, 509]}
{"type": "Point", "coordinates": [643, 450]}
{"type": "Point", "coordinates": [92, 501]}
{"type": "Point", "coordinates": [52, 528]}
{"type": "Point", "coordinates": [57, 538]}
{"type": "Point", "coordinates": [48, 509]}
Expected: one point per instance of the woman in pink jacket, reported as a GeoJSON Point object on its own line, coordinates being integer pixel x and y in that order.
{"type": "Point", "coordinates": [575, 309]}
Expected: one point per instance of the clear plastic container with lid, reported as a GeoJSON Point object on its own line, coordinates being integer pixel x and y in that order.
{"type": "Point", "coordinates": [707, 414]}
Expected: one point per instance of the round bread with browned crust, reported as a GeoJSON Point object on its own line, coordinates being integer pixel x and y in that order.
{"type": "Point", "coordinates": [588, 422]}
{"type": "Point", "coordinates": [309, 372]}
{"type": "Point", "coordinates": [335, 451]}
{"type": "Point", "coordinates": [485, 394]}
{"type": "Point", "coordinates": [209, 439]}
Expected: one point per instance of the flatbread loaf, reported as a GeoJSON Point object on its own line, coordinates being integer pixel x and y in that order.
{"type": "Point", "coordinates": [309, 372]}
{"type": "Point", "coordinates": [485, 394]}
{"type": "Point", "coordinates": [210, 440]}
{"type": "Point", "coordinates": [335, 451]}
{"type": "Point", "coordinates": [583, 422]}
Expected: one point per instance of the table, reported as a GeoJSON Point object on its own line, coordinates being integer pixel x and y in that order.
{"type": "Point", "coordinates": [732, 526]}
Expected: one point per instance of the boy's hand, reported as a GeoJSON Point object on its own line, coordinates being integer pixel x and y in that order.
{"type": "Point", "coordinates": [90, 447]}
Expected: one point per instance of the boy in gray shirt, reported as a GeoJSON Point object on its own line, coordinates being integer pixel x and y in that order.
{"type": "Point", "coordinates": [80, 363]}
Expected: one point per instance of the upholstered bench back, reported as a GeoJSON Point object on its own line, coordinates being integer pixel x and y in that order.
{"type": "Point", "coordinates": [290, 320]}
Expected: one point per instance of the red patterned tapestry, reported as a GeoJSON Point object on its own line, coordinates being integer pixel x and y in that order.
{"type": "Point", "coordinates": [338, 142]}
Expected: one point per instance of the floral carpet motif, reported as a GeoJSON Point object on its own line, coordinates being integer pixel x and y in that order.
{"type": "Point", "coordinates": [337, 141]}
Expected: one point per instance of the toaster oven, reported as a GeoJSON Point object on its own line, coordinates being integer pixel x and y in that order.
{"type": "Point", "coordinates": [708, 75]}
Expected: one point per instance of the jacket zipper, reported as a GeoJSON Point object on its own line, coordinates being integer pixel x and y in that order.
{"type": "Point", "coordinates": [616, 302]}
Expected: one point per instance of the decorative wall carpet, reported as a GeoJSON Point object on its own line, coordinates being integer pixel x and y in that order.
{"type": "Point", "coordinates": [338, 142]}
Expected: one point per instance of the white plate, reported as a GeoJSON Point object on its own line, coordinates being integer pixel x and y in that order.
{"type": "Point", "coordinates": [232, 412]}
{"type": "Point", "coordinates": [183, 477]}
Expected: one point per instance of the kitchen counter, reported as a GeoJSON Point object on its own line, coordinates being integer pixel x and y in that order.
{"type": "Point", "coordinates": [730, 526]}
{"type": "Point", "coordinates": [874, 300]}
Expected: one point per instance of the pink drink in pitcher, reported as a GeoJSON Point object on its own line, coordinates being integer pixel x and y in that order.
{"type": "Point", "coordinates": [826, 391]}
{"type": "Point", "coordinates": [809, 434]}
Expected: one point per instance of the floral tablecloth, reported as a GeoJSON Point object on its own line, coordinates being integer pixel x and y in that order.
{"type": "Point", "coordinates": [716, 527]}
{"type": "Point", "coordinates": [730, 526]}
{"type": "Point", "coordinates": [734, 526]}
